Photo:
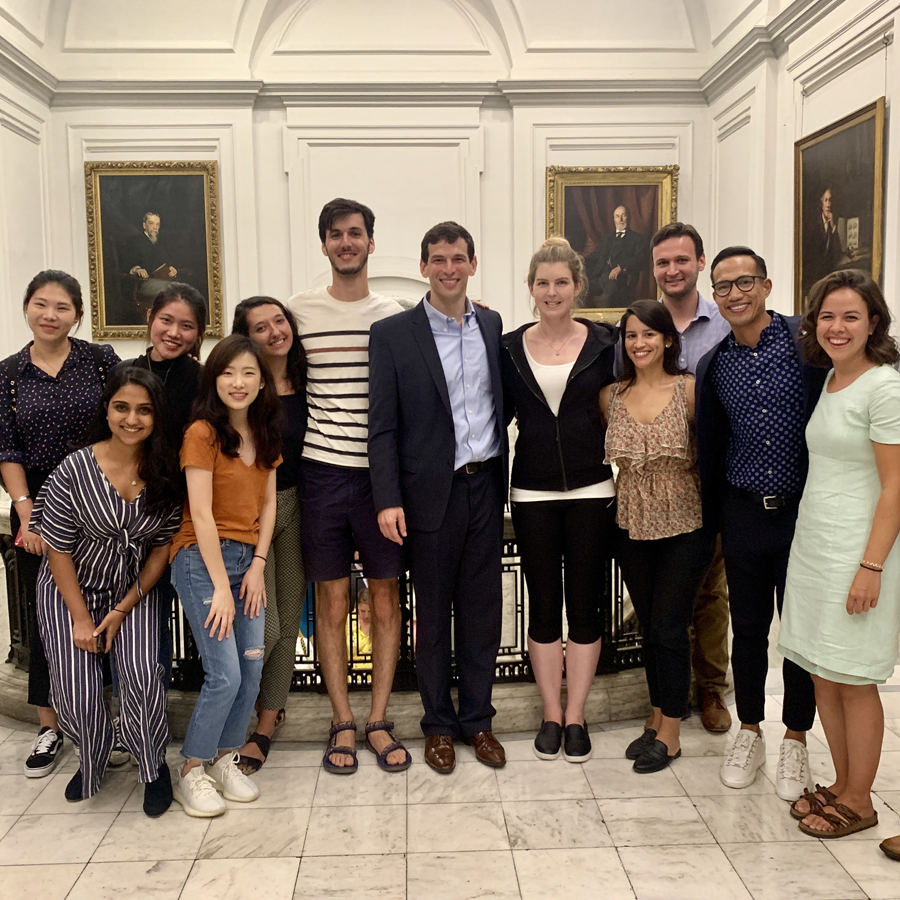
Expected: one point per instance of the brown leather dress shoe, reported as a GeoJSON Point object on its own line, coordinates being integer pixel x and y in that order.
{"type": "Point", "coordinates": [890, 847]}
{"type": "Point", "coordinates": [488, 749]}
{"type": "Point", "coordinates": [714, 713]}
{"type": "Point", "coordinates": [439, 753]}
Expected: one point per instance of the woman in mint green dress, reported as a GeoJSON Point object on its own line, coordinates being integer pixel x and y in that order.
{"type": "Point", "coordinates": [842, 598]}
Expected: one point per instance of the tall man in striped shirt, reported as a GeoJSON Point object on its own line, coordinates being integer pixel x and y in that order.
{"type": "Point", "coordinates": [337, 513]}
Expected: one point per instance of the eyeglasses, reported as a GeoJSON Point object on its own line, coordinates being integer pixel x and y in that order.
{"type": "Point", "coordinates": [744, 283]}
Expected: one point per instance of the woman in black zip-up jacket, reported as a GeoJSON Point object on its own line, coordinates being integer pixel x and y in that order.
{"type": "Point", "coordinates": [562, 495]}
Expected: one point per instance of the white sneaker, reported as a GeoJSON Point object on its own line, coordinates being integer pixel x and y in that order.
{"type": "Point", "coordinates": [747, 754]}
{"type": "Point", "coordinates": [792, 776]}
{"type": "Point", "coordinates": [118, 755]}
{"type": "Point", "coordinates": [196, 792]}
{"type": "Point", "coordinates": [230, 781]}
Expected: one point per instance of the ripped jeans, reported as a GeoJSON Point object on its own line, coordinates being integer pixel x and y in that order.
{"type": "Point", "coordinates": [233, 666]}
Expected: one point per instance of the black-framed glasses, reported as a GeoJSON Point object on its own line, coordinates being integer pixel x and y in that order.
{"type": "Point", "coordinates": [744, 283]}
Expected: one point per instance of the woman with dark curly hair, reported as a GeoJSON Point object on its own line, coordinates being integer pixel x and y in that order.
{"type": "Point", "coordinates": [272, 327]}
{"type": "Point", "coordinates": [841, 613]}
{"type": "Point", "coordinates": [107, 515]}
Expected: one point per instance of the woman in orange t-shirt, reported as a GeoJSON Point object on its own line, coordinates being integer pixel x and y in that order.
{"type": "Point", "coordinates": [229, 456]}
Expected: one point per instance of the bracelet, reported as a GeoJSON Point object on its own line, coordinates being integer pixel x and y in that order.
{"type": "Point", "coordinates": [116, 609]}
{"type": "Point", "coordinates": [23, 497]}
{"type": "Point", "coordinates": [257, 556]}
{"type": "Point", "coordinates": [872, 567]}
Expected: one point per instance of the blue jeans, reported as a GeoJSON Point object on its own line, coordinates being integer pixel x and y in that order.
{"type": "Point", "coordinates": [233, 666]}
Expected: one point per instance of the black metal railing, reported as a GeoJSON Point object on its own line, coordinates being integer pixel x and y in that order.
{"type": "Point", "coordinates": [621, 643]}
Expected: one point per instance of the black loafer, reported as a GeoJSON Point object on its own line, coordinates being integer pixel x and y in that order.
{"type": "Point", "coordinates": [654, 759]}
{"type": "Point", "coordinates": [548, 743]}
{"type": "Point", "coordinates": [74, 788]}
{"type": "Point", "coordinates": [639, 745]}
{"type": "Point", "coordinates": [158, 793]}
{"type": "Point", "coordinates": [577, 745]}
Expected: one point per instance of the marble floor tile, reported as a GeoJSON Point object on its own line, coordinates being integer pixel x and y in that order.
{"type": "Point", "coordinates": [574, 873]}
{"type": "Point", "coordinates": [53, 839]}
{"type": "Point", "coordinates": [115, 788]}
{"type": "Point", "coordinates": [877, 875]}
{"type": "Point", "coordinates": [611, 744]}
{"type": "Point", "coordinates": [654, 822]}
{"type": "Point", "coordinates": [462, 876]}
{"type": "Point", "coordinates": [890, 743]}
{"type": "Point", "coordinates": [256, 833]}
{"type": "Point", "coordinates": [747, 818]}
{"type": "Point", "coordinates": [890, 700]}
{"type": "Point", "coordinates": [771, 872]}
{"type": "Point", "coordinates": [55, 881]}
{"type": "Point", "coordinates": [616, 778]}
{"type": "Point", "coordinates": [150, 880]}
{"type": "Point", "coordinates": [356, 877]}
{"type": "Point", "coordinates": [135, 838]}
{"type": "Point", "coordinates": [467, 784]}
{"type": "Point", "coordinates": [678, 873]}
{"type": "Point", "coordinates": [456, 827]}
{"type": "Point", "coordinates": [697, 741]}
{"type": "Point", "coordinates": [6, 823]}
{"type": "Point", "coordinates": [17, 793]}
{"type": "Point", "coordinates": [239, 879]}
{"type": "Point", "coordinates": [888, 777]}
{"type": "Point", "coordinates": [369, 786]}
{"type": "Point", "coordinates": [555, 825]}
{"type": "Point", "coordinates": [356, 830]}
{"type": "Point", "coordinates": [522, 750]}
{"type": "Point", "coordinates": [538, 780]}
{"type": "Point", "coordinates": [280, 759]}
{"type": "Point", "coordinates": [5, 733]}
{"type": "Point", "coordinates": [279, 788]}
{"type": "Point", "coordinates": [699, 776]}
{"type": "Point", "coordinates": [891, 798]}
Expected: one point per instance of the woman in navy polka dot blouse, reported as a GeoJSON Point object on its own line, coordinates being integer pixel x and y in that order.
{"type": "Point", "coordinates": [49, 393]}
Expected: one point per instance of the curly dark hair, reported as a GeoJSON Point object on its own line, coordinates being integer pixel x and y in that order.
{"type": "Point", "coordinates": [881, 348]}
{"type": "Point", "coordinates": [264, 415]}
{"type": "Point", "coordinates": [296, 357]}
{"type": "Point", "coordinates": [654, 315]}
{"type": "Point", "coordinates": [159, 453]}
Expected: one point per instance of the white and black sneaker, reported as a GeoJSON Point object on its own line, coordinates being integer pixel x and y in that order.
{"type": "Point", "coordinates": [45, 753]}
{"type": "Point", "coordinates": [119, 755]}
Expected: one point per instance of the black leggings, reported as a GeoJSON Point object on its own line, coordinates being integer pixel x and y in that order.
{"type": "Point", "coordinates": [664, 578]}
{"type": "Point", "coordinates": [28, 566]}
{"type": "Point", "coordinates": [580, 532]}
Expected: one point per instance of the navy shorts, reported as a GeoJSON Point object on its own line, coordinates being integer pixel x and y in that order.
{"type": "Point", "coordinates": [337, 518]}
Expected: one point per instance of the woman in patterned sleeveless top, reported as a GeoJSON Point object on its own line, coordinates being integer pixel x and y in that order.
{"type": "Point", "coordinates": [664, 551]}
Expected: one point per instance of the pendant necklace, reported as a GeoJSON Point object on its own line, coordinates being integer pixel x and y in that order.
{"type": "Point", "coordinates": [563, 344]}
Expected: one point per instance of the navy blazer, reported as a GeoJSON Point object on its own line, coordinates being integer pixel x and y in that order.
{"type": "Point", "coordinates": [714, 426]}
{"type": "Point", "coordinates": [412, 444]}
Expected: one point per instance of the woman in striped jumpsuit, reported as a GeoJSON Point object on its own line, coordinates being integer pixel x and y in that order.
{"type": "Point", "coordinates": [107, 515]}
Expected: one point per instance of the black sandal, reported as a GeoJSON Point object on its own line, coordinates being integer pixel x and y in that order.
{"type": "Point", "coordinates": [250, 764]}
{"type": "Point", "coordinates": [331, 748]}
{"type": "Point", "coordinates": [383, 725]}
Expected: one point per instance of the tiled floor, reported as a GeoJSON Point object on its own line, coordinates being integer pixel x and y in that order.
{"type": "Point", "coordinates": [531, 830]}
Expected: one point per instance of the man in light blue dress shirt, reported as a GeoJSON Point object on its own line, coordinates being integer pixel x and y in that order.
{"type": "Point", "coordinates": [678, 259]}
{"type": "Point", "coordinates": [437, 458]}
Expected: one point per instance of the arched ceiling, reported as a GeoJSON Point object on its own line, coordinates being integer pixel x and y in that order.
{"type": "Point", "coordinates": [365, 41]}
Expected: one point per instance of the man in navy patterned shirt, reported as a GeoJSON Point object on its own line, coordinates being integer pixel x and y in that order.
{"type": "Point", "coordinates": [755, 398]}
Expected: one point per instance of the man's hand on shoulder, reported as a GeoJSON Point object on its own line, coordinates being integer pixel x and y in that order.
{"type": "Point", "coordinates": [392, 523]}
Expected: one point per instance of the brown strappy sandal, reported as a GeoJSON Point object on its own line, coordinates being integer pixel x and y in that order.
{"type": "Point", "coordinates": [830, 800]}
{"type": "Point", "coordinates": [847, 821]}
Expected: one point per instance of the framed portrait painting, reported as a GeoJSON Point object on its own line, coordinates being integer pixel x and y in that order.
{"type": "Point", "coordinates": [608, 214]}
{"type": "Point", "coordinates": [150, 224]}
{"type": "Point", "coordinates": [838, 198]}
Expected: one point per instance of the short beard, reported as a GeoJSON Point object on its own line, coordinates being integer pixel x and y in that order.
{"type": "Point", "coordinates": [349, 270]}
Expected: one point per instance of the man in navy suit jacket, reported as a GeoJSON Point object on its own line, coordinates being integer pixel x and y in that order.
{"type": "Point", "coordinates": [437, 459]}
{"type": "Point", "coordinates": [754, 397]}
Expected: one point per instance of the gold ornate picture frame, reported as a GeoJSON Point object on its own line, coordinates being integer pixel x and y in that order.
{"type": "Point", "coordinates": [585, 203]}
{"type": "Point", "coordinates": [839, 199]}
{"type": "Point", "coordinates": [150, 223]}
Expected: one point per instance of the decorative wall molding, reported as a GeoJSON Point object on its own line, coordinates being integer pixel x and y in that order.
{"type": "Point", "coordinates": [816, 69]}
{"type": "Point", "coordinates": [25, 73]}
{"type": "Point", "coordinates": [735, 116]}
{"type": "Point", "coordinates": [160, 94]}
{"type": "Point", "coordinates": [618, 143]}
{"type": "Point", "coordinates": [23, 122]}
